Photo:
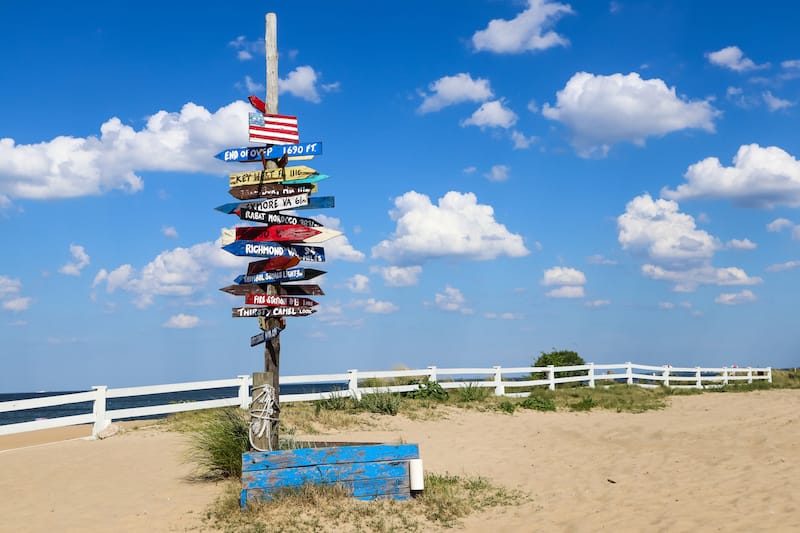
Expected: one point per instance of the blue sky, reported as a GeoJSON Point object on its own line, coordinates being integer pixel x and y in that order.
{"type": "Point", "coordinates": [616, 178]}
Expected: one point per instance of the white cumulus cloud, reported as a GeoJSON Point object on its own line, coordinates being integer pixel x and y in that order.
{"type": "Point", "coordinates": [788, 265]}
{"type": "Point", "coordinates": [567, 291]}
{"type": "Point", "coordinates": [603, 110]}
{"type": "Point", "coordinates": [497, 173]}
{"type": "Point", "coordinates": [732, 57]}
{"type": "Point", "coordinates": [741, 244]}
{"type": "Point", "coordinates": [371, 305]}
{"type": "Point", "coordinates": [181, 321]}
{"type": "Point", "coordinates": [452, 300]}
{"type": "Point", "coordinates": [457, 227]}
{"type": "Point", "coordinates": [491, 115]}
{"type": "Point", "coordinates": [358, 283]}
{"type": "Point", "coordinates": [776, 104]}
{"type": "Point", "coordinates": [736, 298]}
{"type": "Point", "coordinates": [338, 247]}
{"type": "Point", "coordinates": [302, 82]}
{"type": "Point", "coordinates": [676, 250]}
{"type": "Point", "coordinates": [571, 282]}
{"type": "Point", "coordinates": [396, 276]}
{"type": "Point", "coordinates": [67, 167]}
{"type": "Point", "coordinates": [761, 177]}
{"type": "Point", "coordinates": [450, 90]}
{"type": "Point", "coordinates": [80, 259]}
{"type": "Point", "coordinates": [528, 31]}
{"type": "Point", "coordinates": [169, 232]}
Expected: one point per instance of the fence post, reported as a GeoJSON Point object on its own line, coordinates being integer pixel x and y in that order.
{"type": "Point", "coordinates": [499, 389]}
{"type": "Point", "coordinates": [432, 377]}
{"type": "Point", "coordinates": [99, 410]}
{"type": "Point", "coordinates": [666, 376]}
{"type": "Point", "coordinates": [629, 373]}
{"type": "Point", "coordinates": [699, 378]}
{"type": "Point", "coordinates": [749, 374]}
{"type": "Point", "coordinates": [724, 375]}
{"type": "Point", "coordinates": [591, 375]}
{"type": "Point", "coordinates": [352, 384]}
{"type": "Point", "coordinates": [551, 375]}
{"type": "Point", "coordinates": [769, 374]}
{"type": "Point", "coordinates": [244, 391]}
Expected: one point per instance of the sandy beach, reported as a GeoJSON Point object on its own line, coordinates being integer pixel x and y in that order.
{"type": "Point", "coordinates": [712, 462]}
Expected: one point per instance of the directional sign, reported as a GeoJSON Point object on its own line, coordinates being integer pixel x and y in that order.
{"type": "Point", "coordinates": [271, 190]}
{"type": "Point", "coordinates": [274, 249]}
{"type": "Point", "coordinates": [273, 300]}
{"type": "Point", "coordinates": [308, 289]}
{"type": "Point", "coordinates": [277, 233]}
{"type": "Point", "coordinates": [264, 336]}
{"type": "Point", "coordinates": [271, 312]}
{"type": "Point", "coordinates": [271, 176]}
{"type": "Point", "coordinates": [276, 218]}
{"type": "Point", "coordinates": [252, 154]}
{"type": "Point", "coordinates": [280, 276]}
{"type": "Point", "coordinates": [323, 235]}
{"type": "Point", "coordinates": [268, 204]}
{"type": "Point", "coordinates": [273, 263]}
{"type": "Point", "coordinates": [314, 178]}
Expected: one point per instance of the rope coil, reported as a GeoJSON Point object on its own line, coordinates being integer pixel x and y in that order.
{"type": "Point", "coordinates": [262, 414]}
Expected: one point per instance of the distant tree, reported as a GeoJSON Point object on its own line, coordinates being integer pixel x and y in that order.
{"type": "Point", "coordinates": [559, 358]}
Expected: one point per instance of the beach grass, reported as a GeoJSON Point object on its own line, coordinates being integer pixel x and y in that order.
{"type": "Point", "coordinates": [447, 499]}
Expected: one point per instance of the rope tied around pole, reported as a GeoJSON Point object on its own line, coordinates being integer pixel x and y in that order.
{"type": "Point", "coordinates": [262, 413]}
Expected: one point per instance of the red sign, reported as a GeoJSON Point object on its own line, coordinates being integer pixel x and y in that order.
{"type": "Point", "coordinates": [273, 300]}
{"type": "Point", "coordinates": [273, 263]}
{"type": "Point", "coordinates": [277, 233]}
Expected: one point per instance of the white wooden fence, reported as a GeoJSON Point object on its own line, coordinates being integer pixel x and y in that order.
{"type": "Point", "coordinates": [504, 381]}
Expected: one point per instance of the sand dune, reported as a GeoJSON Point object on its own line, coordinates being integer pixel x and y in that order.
{"type": "Point", "coordinates": [714, 462]}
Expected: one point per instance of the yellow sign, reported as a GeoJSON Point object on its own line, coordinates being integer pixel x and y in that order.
{"type": "Point", "coordinates": [270, 176]}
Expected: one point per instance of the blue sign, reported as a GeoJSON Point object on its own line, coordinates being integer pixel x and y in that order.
{"type": "Point", "coordinates": [274, 249]}
{"type": "Point", "coordinates": [250, 154]}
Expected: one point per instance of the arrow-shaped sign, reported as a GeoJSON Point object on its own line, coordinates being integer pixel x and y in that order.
{"type": "Point", "coordinates": [269, 205]}
{"type": "Point", "coordinates": [277, 233]}
{"type": "Point", "coordinates": [276, 218]}
{"type": "Point", "coordinates": [308, 289]}
{"type": "Point", "coordinates": [248, 312]}
{"type": "Point", "coordinates": [271, 175]}
{"type": "Point", "coordinates": [265, 335]}
{"type": "Point", "coordinates": [280, 276]}
{"type": "Point", "coordinates": [271, 190]}
{"type": "Point", "coordinates": [273, 300]}
{"type": "Point", "coordinates": [273, 263]}
{"type": "Point", "coordinates": [252, 154]}
{"type": "Point", "coordinates": [274, 249]}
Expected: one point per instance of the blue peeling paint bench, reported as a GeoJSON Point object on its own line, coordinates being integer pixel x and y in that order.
{"type": "Point", "coordinates": [370, 471]}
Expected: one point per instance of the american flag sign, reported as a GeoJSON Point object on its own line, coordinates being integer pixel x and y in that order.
{"type": "Point", "coordinates": [273, 129]}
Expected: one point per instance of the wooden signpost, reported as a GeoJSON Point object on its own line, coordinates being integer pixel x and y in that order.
{"type": "Point", "coordinates": [273, 263]}
{"type": "Point", "coordinates": [272, 300]}
{"type": "Point", "coordinates": [277, 233]}
{"type": "Point", "coordinates": [279, 276]}
{"type": "Point", "coordinates": [272, 312]}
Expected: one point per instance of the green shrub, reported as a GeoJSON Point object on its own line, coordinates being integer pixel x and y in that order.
{"type": "Point", "coordinates": [429, 390]}
{"type": "Point", "coordinates": [507, 406]}
{"type": "Point", "coordinates": [337, 401]}
{"type": "Point", "coordinates": [539, 403]}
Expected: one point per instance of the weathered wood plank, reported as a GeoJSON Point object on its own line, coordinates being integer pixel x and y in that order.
{"type": "Point", "coordinates": [338, 454]}
{"type": "Point", "coordinates": [396, 488]}
{"type": "Point", "coordinates": [323, 473]}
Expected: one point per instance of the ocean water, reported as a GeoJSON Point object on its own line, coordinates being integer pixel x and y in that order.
{"type": "Point", "coordinates": [82, 408]}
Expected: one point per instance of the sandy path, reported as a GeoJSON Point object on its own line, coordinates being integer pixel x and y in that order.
{"type": "Point", "coordinates": [715, 462]}
{"type": "Point", "coordinates": [134, 482]}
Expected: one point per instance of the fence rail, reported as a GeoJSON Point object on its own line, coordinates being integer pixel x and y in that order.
{"type": "Point", "coordinates": [355, 383]}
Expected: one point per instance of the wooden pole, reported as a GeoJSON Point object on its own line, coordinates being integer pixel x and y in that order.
{"type": "Point", "coordinates": [272, 347]}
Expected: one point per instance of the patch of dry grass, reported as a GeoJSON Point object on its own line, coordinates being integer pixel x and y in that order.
{"type": "Point", "coordinates": [315, 508]}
